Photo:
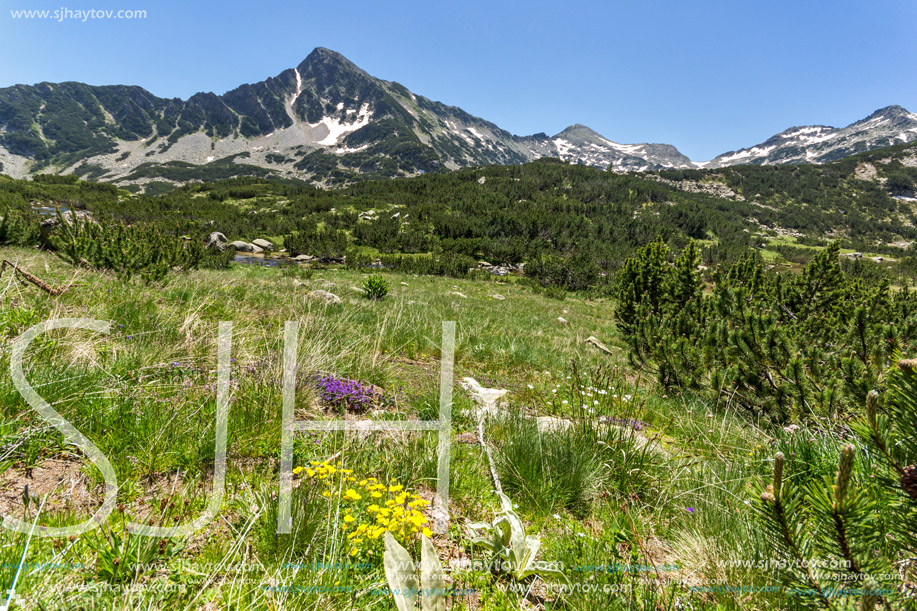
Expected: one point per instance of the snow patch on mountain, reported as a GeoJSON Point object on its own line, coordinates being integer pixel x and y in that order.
{"type": "Point", "coordinates": [820, 143]}
{"type": "Point", "coordinates": [337, 128]}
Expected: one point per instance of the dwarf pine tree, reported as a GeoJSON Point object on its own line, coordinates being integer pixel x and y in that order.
{"type": "Point", "coordinates": [849, 541]}
{"type": "Point", "coordinates": [659, 311]}
{"type": "Point", "coordinates": [790, 347]}
{"type": "Point", "coordinates": [129, 250]}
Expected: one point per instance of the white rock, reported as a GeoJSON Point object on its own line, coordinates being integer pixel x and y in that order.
{"type": "Point", "coordinates": [485, 397]}
{"type": "Point", "coordinates": [328, 298]}
{"type": "Point", "coordinates": [216, 240]}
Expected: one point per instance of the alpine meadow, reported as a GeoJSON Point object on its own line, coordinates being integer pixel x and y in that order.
{"type": "Point", "coordinates": [321, 342]}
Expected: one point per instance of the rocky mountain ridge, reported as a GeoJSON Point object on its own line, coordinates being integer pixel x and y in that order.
{"type": "Point", "coordinates": [329, 121]}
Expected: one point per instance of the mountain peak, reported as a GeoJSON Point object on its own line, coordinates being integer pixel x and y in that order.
{"type": "Point", "coordinates": [894, 111]}
{"type": "Point", "coordinates": [579, 129]}
{"type": "Point", "coordinates": [322, 58]}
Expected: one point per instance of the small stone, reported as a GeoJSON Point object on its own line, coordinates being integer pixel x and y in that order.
{"type": "Point", "coordinates": [595, 342]}
{"type": "Point", "coordinates": [328, 298]}
{"type": "Point", "coordinates": [469, 438]}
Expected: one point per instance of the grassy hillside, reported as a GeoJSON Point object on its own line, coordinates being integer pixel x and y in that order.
{"type": "Point", "coordinates": [665, 488]}
{"type": "Point", "coordinates": [675, 414]}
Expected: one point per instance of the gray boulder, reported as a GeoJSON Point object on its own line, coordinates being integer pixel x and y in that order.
{"type": "Point", "coordinates": [241, 246]}
{"type": "Point", "coordinates": [262, 243]}
{"type": "Point", "coordinates": [216, 240]}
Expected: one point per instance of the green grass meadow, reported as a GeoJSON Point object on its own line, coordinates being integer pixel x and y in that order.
{"type": "Point", "coordinates": [655, 519]}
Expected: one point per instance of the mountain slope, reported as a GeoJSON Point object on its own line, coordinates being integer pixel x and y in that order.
{"type": "Point", "coordinates": [325, 119]}
{"type": "Point", "coordinates": [329, 121]}
{"type": "Point", "coordinates": [820, 143]}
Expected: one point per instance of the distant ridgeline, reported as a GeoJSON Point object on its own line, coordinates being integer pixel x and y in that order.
{"type": "Point", "coordinates": [572, 226]}
{"type": "Point", "coordinates": [328, 121]}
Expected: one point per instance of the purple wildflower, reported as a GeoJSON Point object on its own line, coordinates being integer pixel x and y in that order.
{"type": "Point", "coordinates": [346, 393]}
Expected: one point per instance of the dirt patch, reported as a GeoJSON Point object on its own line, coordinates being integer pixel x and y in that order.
{"type": "Point", "coordinates": [866, 171]}
{"type": "Point", "coordinates": [63, 481]}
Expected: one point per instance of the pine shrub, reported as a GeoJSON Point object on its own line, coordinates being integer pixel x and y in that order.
{"type": "Point", "coordinates": [131, 250]}
{"type": "Point", "coordinates": [847, 541]}
{"type": "Point", "coordinates": [787, 346]}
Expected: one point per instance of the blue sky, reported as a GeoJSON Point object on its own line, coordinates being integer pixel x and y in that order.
{"type": "Point", "coordinates": [705, 76]}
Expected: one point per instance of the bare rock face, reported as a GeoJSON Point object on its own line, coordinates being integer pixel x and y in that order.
{"type": "Point", "coordinates": [324, 296]}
